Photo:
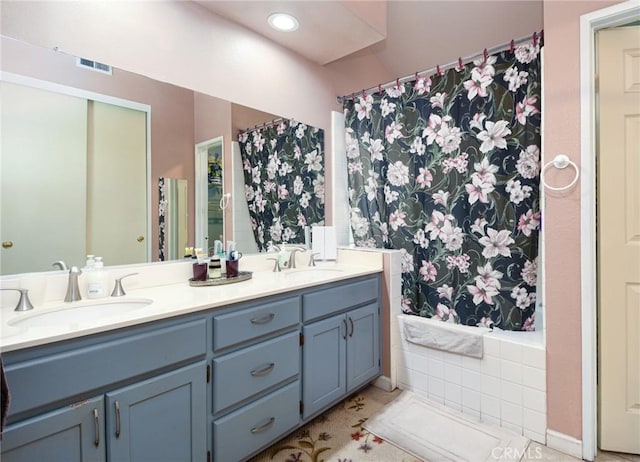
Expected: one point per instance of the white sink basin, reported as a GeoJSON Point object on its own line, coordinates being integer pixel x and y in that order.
{"type": "Point", "coordinates": [81, 312]}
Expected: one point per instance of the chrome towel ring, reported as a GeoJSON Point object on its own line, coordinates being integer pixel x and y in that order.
{"type": "Point", "coordinates": [561, 161]}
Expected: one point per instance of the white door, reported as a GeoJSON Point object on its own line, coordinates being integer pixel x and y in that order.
{"type": "Point", "coordinates": [117, 210]}
{"type": "Point", "coordinates": [619, 239]}
{"type": "Point", "coordinates": [43, 170]}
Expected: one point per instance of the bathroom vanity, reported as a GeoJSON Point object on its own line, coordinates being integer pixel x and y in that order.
{"type": "Point", "coordinates": [216, 379]}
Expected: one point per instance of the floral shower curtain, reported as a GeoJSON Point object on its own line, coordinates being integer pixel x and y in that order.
{"type": "Point", "coordinates": [284, 180]}
{"type": "Point", "coordinates": [446, 169]}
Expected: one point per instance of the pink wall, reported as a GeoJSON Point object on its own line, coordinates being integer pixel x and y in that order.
{"type": "Point", "coordinates": [562, 215]}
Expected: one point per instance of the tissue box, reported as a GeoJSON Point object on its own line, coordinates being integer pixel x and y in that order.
{"type": "Point", "coordinates": [323, 242]}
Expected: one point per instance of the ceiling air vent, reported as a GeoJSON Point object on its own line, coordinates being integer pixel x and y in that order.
{"type": "Point", "coordinates": [94, 65]}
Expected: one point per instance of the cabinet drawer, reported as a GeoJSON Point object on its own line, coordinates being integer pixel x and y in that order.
{"type": "Point", "coordinates": [241, 433]}
{"type": "Point", "coordinates": [245, 324]}
{"type": "Point", "coordinates": [56, 377]}
{"type": "Point", "coordinates": [239, 375]}
{"type": "Point", "coordinates": [331, 300]}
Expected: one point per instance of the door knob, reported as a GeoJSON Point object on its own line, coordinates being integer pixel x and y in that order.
{"type": "Point", "coordinates": [7, 244]}
{"type": "Point", "coordinates": [140, 238]}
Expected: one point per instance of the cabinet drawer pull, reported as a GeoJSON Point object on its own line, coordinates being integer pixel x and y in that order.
{"type": "Point", "coordinates": [263, 427]}
{"type": "Point", "coordinates": [345, 329]}
{"type": "Point", "coordinates": [116, 405]}
{"type": "Point", "coordinates": [351, 322]}
{"type": "Point", "coordinates": [264, 371]}
{"type": "Point", "coordinates": [96, 428]}
{"type": "Point", "coordinates": [264, 319]}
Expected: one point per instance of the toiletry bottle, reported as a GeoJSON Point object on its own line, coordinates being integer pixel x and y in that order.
{"type": "Point", "coordinates": [90, 264]}
{"type": "Point", "coordinates": [215, 268]}
{"type": "Point", "coordinates": [97, 280]}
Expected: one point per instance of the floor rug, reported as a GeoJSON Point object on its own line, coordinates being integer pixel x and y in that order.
{"type": "Point", "coordinates": [338, 435]}
{"type": "Point", "coordinates": [436, 434]}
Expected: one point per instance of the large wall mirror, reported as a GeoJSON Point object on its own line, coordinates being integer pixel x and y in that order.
{"type": "Point", "coordinates": [120, 135]}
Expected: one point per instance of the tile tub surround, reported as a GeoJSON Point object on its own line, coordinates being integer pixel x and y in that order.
{"type": "Point", "coordinates": [507, 387]}
{"type": "Point", "coordinates": [165, 283]}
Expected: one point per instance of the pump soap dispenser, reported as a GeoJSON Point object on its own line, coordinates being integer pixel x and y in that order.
{"type": "Point", "coordinates": [97, 280]}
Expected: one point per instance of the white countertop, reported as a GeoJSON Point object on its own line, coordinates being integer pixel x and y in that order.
{"type": "Point", "coordinates": [168, 301]}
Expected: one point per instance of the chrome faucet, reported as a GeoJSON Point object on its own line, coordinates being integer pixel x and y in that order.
{"type": "Point", "coordinates": [61, 265]}
{"type": "Point", "coordinates": [73, 291]}
{"type": "Point", "coordinates": [292, 255]}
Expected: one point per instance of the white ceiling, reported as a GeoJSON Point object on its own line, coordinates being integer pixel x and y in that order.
{"type": "Point", "coordinates": [328, 30]}
{"type": "Point", "coordinates": [418, 33]}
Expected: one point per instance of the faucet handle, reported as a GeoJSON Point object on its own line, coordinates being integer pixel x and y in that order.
{"type": "Point", "coordinates": [312, 260]}
{"type": "Point", "coordinates": [118, 291]}
{"type": "Point", "coordinates": [276, 266]}
{"type": "Point", "coordinates": [24, 304]}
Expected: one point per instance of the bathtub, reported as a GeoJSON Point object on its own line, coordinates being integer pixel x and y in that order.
{"type": "Point", "coordinates": [506, 387]}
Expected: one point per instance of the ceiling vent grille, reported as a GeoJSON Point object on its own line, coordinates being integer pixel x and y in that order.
{"type": "Point", "coordinates": [94, 65]}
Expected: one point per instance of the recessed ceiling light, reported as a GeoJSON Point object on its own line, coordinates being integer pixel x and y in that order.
{"type": "Point", "coordinates": [283, 22]}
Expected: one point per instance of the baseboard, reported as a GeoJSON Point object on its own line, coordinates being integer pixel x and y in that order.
{"type": "Point", "coordinates": [384, 383]}
{"type": "Point", "coordinates": [564, 443]}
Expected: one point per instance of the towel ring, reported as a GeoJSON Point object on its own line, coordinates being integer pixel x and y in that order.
{"type": "Point", "coordinates": [561, 161]}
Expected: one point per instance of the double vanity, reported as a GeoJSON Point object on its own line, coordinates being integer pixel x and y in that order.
{"type": "Point", "coordinates": [178, 373]}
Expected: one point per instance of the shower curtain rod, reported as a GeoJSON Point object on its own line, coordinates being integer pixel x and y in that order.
{"type": "Point", "coordinates": [262, 125]}
{"type": "Point", "coordinates": [535, 38]}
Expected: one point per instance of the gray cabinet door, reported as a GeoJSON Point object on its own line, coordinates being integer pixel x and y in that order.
{"type": "Point", "coordinates": [71, 434]}
{"type": "Point", "coordinates": [324, 368]}
{"type": "Point", "coordinates": [363, 345]}
{"type": "Point", "coordinates": [160, 419]}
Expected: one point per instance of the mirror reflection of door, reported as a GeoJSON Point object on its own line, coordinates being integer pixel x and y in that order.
{"type": "Point", "coordinates": [116, 211]}
{"type": "Point", "coordinates": [210, 201]}
{"type": "Point", "coordinates": [43, 179]}
{"type": "Point", "coordinates": [60, 155]}
{"type": "Point", "coordinates": [215, 204]}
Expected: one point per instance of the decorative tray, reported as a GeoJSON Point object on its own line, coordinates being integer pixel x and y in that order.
{"type": "Point", "coordinates": [242, 276]}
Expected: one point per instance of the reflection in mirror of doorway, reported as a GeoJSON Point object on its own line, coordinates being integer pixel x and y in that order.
{"type": "Point", "coordinates": [210, 199]}
{"type": "Point", "coordinates": [173, 216]}
{"type": "Point", "coordinates": [215, 201]}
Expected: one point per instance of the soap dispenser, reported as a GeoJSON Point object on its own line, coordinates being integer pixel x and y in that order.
{"type": "Point", "coordinates": [90, 264]}
{"type": "Point", "coordinates": [97, 280]}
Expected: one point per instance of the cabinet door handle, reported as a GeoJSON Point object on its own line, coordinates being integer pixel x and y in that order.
{"type": "Point", "coordinates": [96, 428]}
{"type": "Point", "coordinates": [264, 371]}
{"type": "Point", "coordinates": [116, 405]}
{"type": "Point", "coordinates": [263, 427]}
{"type": "Point", "coordinates": [263, 319]}
{"type": "Point", "coordinates": [352, 328]}
{"type": "Point", "coordinates": [345, 329]}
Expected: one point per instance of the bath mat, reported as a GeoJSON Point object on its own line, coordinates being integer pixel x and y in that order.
{"type": "Point", "coordinates": [435, 434]}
